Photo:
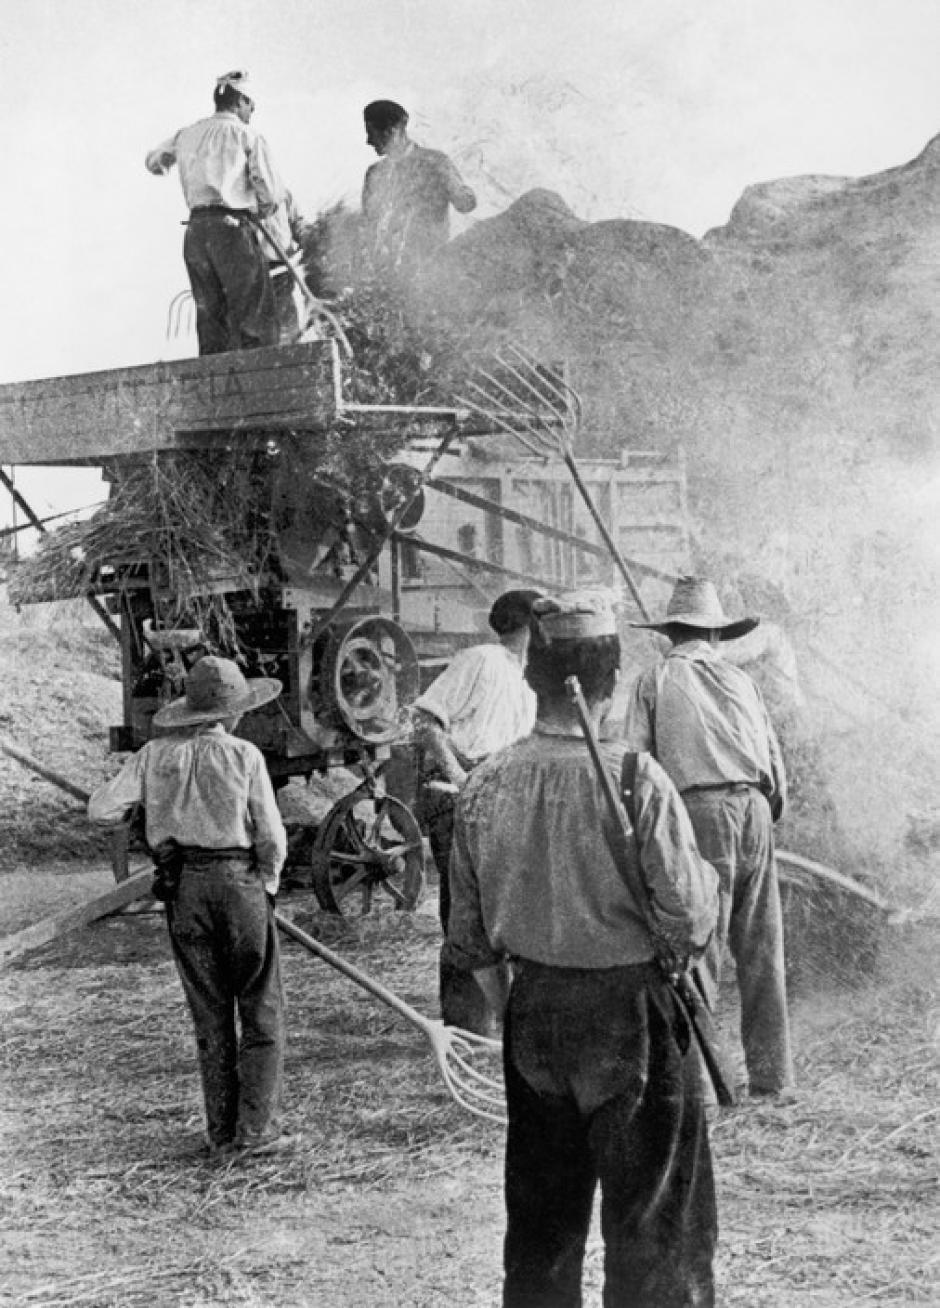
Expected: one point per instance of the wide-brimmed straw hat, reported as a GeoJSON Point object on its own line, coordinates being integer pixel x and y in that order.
{"type": "Point", "coordinates": [215, 689]}
{"type": "Point", "coordinates": [694, 603]}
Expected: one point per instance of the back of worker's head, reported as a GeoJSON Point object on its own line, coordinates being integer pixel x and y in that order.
{"type": "Point", "coordinates": [512, 611]}
{"type": "Point", "coordinates": [573, 636]}
{"type": "Point", "coordinates": [230, 90]}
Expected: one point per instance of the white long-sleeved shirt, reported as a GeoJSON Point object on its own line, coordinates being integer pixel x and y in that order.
{"type": "Point", "coordinates": [206, 788]}
{"type": "Point", "coordinates": [222, 161]}
{"type": "Point", "coordinates": [482, 700]}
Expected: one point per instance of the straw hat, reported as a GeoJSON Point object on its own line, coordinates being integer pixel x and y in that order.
{"type": "Point", "coordinates": [694, 603]}
{"type": "Point", "coordinates": [216, 688]}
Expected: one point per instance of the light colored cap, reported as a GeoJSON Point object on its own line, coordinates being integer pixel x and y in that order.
{"type": "Point", "coordinates": [237, 80]}
{"type": "Point", "coordinates": [576, 615]}
{"type": "Point", "coordinates": [694, 603]}
{"type": "Point", "coordinates": [215, 689]}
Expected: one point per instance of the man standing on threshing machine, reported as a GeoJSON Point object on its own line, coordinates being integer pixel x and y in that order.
{"type": "Point", "coordinates": [218, 841]}
{"type": "Point", "coordinates": [600, 1084]}
{"type": "Point", "coordinates": [229, 181]}
{"type": "Point", "coordinates": [406, 196]}
{"type": "Point", "coordinates": [705, 721]}
{"type": "Point", "coordinates": [479, 704]}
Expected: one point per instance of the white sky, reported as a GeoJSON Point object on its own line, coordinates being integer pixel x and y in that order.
{"type": "Point", "coordinates": [662, 110]}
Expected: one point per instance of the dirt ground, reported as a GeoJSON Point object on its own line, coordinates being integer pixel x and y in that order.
{"type": "Point", "coordinates": [393, 1197]}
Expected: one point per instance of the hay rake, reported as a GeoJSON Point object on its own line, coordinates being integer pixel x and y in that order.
{"type": "Point", "coordinates": [454, 1049]}
{"type": "Point", "coordinates": [537, 407]}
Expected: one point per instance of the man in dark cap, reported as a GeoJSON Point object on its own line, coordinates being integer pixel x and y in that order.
{"type": "Point", "coordinates": [705, 721]}
{"type": "Point", "coordinates": [601, 1086]}
{"type": "Point", "coordinates": [407, 194]}
{"type": "Point", "coordinates": [228, 179]}
{"type": "Point", "coordinates": [479, 704]}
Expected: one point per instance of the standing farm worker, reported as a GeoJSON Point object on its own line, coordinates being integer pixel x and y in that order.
{"type": "Point", "coordinates": [228, 179]}
{"type": "Point", "coordinates": [705, 721]}
{"type": "Point", "coordinates": [219, 844]}
{"type": "Point", "coordinates": [480, 703]}
{"type": "Point", "coordinates": [601, 1086]}
{"type": "Point", "coordinates": [407, 195]}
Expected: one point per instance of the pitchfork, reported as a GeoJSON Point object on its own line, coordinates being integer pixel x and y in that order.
{"type": "Point", "coordinates": [536, 406]}
{"type": "Point", "coordinates": [454, 1049]}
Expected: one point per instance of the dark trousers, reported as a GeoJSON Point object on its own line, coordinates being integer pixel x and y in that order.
{"type": "Point", "coordinates": [230, 283]}
{"type": "Point", "coordinates": [462, 1001]}
{"type": "Point", "coordinates": [734, 832]}
{"type": "Point", "coordinates": [601, 1089]}
{"type": "Point", "coordinates": [224, 940]}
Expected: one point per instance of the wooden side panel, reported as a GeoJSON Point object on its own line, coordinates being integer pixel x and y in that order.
{"type": "Point", "coordinates": [168, 405]}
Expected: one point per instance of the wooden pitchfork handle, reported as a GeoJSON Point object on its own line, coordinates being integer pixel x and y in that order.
{"type": "Point", "coordinates": [453, 1047]}
{"type": "Point", "coordinates": [315, 303]}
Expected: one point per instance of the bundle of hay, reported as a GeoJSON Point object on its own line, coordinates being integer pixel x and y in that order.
{"type": "Point", "coordinates": [174, 521]}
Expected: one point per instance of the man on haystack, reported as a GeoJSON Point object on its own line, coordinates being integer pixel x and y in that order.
{"type": "Point", "coordinates": [407, 195]}
{"type": "Point", "coordinates": [705, 721]}
{"type": "Point", "coordinates": [479, 704]}
{"type": "Point", "coordinates": [219, 843]}
{"type": "Point", "coordinates": [229, 180]}
{"type": "Point", "coordinates": [601, 1084]}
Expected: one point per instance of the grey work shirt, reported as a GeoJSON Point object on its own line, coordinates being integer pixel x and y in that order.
{"type": "Point", "coordinates": [538, 870]}
{"type": "Point", "coordinates": [705, 721]}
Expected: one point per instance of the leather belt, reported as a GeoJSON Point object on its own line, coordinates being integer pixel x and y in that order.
{"type": "Point", "coordinates": [218, 210]}
{"type": "Point", "coordinates": [196, 856]}
{"type": "Point", "coordinates": [726, 787]}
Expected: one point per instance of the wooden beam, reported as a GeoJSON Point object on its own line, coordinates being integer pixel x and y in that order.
{"type": "Point", "coordinates": [41, 933]}
{"type": "Point", "coordinates": [91, 417]}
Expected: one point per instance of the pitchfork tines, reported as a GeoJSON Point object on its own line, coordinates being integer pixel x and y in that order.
{"type": "Point", "coordinates": [454, 1049]}
{"type": "Point", "coordinates": [525, 399]}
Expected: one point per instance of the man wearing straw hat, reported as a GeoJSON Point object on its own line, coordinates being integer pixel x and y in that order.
{"type": "Point", "coordinates": [218, 840]}
{"type": "Point", "coordinates": [229, 179]}
{"type": "Point", "coordinates": [705, 721]}
{"type": "Point", "coordinates": [601, 1086]}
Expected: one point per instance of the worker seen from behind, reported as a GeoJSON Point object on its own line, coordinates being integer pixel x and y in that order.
{"type": "Point", "coordinates": [601, 1086]}
{"type": "Point", "coordinates": [219, 844]}
{"type": "Point", "coordinates": [407, 195]}
{"type": "Point", "coordinates": [705, 721]}
{"type": "Point", "coordinates": [479, 704]}
{"type": "Point", "coordinates": [229, 180]}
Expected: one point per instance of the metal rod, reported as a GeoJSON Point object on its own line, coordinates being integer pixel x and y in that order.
{"type": "Point", "coordinates": [602, 528]}
{"type": "Point", "coordinates": [498, 569]}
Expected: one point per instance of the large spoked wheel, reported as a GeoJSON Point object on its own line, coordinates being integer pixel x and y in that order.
{"type": "Point", "coordinates": [368, 846]}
